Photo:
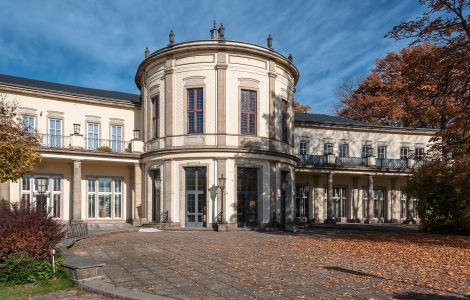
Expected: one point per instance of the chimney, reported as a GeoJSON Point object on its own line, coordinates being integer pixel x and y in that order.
{"type": "Point", "coordinates": [214, 32]}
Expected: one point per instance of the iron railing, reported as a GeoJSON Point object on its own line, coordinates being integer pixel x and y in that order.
{"type": "Point", "coordinates": [351, 161]}
{"type": "Point", "coordinates": [107, 145]}
{"type": "Point", "coordinates": [74, 230]}
{"type": "Point", "coordinates": [53, 140]}
{"type": "Point", "coordinates": [313, 160]}
{"type": "Point", "coordinates": [387, 163]}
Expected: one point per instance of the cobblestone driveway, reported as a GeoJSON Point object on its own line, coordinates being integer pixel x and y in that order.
{"type": "Point", "coordinates": [247, 264]}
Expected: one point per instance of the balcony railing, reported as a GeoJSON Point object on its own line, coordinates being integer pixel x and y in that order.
{"type": "Point", "coordinates": [313, 160]}
{"type": "Point", "coordinates": [80, 142]}
{"type": "Point", "coordinates": [358, 162]}
{"type": "Point", "coordinates": [351, 161]}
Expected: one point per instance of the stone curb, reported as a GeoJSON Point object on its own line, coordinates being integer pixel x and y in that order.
{"type": "Point", "coordinates": [107, 289]}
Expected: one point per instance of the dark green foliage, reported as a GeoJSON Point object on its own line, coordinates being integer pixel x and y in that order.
{"type": "Point", "coordinates": [444, 196]}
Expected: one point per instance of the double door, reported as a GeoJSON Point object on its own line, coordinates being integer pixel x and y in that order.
{"type": "Point", "coordinates": [196, 213]}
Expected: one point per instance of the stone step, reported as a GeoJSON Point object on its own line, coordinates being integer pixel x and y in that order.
{"type": "Point", "coordinates": [81, 268]}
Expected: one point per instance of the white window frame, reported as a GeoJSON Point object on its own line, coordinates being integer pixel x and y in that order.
{"type": "Point", "coordinates": [116, 139]}
{"type": "Point", "coordinates": [55, 133]}
{"type": "Point", "coordinates": [303, 146]}
{"type": "Point", "coordinates": [112, 194]}
{"type": "Point", "coordinates": [93, 134]}
{"type": "Point", "coordinates": [29, 123]}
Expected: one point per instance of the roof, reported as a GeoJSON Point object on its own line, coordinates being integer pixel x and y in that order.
{"type": "Point", "coordinates": [321, 119]}
{"type": "Point", "coordinates": [68, 89]}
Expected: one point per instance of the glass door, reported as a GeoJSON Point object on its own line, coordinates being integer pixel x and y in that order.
{"type": "Point", "coordinates": [55, 133]}
{"type": "Point", "coordinates": [195, 197]}
{"type": "Point", "coordinates": [116, 138]}
{"type": "Point", "coordinates": [247, 197]}
{"type": "Point", "coordinates": [302, 202]}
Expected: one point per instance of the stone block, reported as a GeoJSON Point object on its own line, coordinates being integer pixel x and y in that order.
{"type": "Point", "coordinates": [81, 269]}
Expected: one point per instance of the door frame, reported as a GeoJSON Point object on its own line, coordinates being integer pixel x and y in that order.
{"type": "Point", "coordinates": [183, 201]}
{"type": "Point", "coordinates": [259, 188]}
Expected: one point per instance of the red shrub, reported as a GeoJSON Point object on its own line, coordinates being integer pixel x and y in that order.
{"type": "Point", "coordinates": [24, 229]}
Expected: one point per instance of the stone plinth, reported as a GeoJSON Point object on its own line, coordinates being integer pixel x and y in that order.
{"type": "Point", "coordinates": [81, 269]}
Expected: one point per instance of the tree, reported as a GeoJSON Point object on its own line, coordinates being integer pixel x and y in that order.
{"type": "Point", "coordinates": [17, 147]}
{"type": "Point", "coordinates": [426, 84]}
{"type": "Point", "coordinates": [299, 108]}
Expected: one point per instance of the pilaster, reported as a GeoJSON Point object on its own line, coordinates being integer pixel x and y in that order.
{"type": "Point", "coordinates": [77, 191]}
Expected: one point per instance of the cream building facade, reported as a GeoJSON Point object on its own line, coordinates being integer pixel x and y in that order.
{"type": "Point", "coordinates": [212, 137]}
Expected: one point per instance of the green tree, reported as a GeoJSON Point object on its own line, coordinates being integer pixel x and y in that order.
{"type": "Point", "coordinates": [18, 153]}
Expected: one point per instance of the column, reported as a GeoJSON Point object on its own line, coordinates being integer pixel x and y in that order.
{"type": "Point", "coordinates": [393, 201]}
{"type": "Point", "coordinates": [329, 200]}
{"type": "Point", "coordinates": [272, 103]}
{"type": "Point", "coordinates": [370, 198]}
{"type": "Point", "coordinates": [221, 69]}
{"type": "Point", "coordinates": [169, 103]}
{"type": "Point", "coordinates": [77, 191]}
{"type": "Point", "coordinates": [355, 201]}
{"type": "Point", "coordinates": [318, 200]}
{"type": "Point", "coordinates": [137, 205]}
{"type": "Point", "coordinates": [167, 195]}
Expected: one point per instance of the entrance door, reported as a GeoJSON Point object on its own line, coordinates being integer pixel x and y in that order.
{"type": "Point", "coordinates": [247, 197]}
{"type": "Point", "coordinates": [379, 201]}
{"type": "Point", "coordinates": [195, 197]}
{"type": "Point", "coordinates": [302, 202]}
{"type": "Point", "coordinates": [156, 217]}
{"type": "Point", "coordinates": [339, 202]}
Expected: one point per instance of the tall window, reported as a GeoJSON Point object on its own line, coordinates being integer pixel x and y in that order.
{"type": "Point", "coordinates": [382, 152]}
{"type": "Point", "coordinates": [343, 150]}
{"type": "Point", "coordinates": [419, 152]}
{"type": "Point", "coordinates": [284, 117]}
{"type": "Point", "coordinates": [29, 124]}
{"type": "Point", "coordinates": [93, 135]}
{"type": "Point", "coordinates": [403, 208]}
{"type": "Point", "coordinates": [116, 138]}
{"type": "Point", "coordinates": [104, 198]}
{"type": "Point", "coordinates": [328, 148]}
{"type": "Point", "coordinates": [404, 152]}
{"type": "Point", "coordinates": [366, 150]}
{"type": "Point", "coordinates": [195, 110]}
{"type": "Point", "coordinates": [303, 148]}
{"type": "Point", "coordinates": [55, 133]}
{"type": "Point", "coordinates": [156, 115]}
{"type": "Point", "coordinates": [248, 112]}
{"type": "Point", "coordinates": [50, 199]}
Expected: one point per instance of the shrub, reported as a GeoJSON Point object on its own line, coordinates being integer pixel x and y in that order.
{"type": "Point", "coordinates": [25, 230]}
{"type": "Point", "coordinates": [444, 196]}
{"type": "Point", "coordinates": [24, 268]}
{"type": "Point", "coordinates": [104, 149]}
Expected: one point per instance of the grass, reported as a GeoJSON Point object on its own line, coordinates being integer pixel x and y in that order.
{"type": "Point", "coordinates": [25, 291]}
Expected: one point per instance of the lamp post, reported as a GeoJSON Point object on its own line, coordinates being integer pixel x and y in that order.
{"type": "Point", "coordinates": [41, 186]}
{"type": "Point", "coordinates": [221, 182]}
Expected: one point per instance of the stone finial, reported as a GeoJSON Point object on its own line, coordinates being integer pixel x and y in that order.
{"type": "Point", "coordinates": [171, 37]}
{"type": "Point", "coordinates": [290, 57]}
{"type": "Point", "coordinates": [147, 52]}
{"type": "Point", "coordinates": [270, 41]}
{"type": "Point", "coordinates": [222, 31]}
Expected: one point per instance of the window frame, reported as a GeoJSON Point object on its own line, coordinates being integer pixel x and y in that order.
{"type": "Point", "coordinates": [31, 130]}
{"type": "Point", "coordinates": [303, 149]}
{"type": "Point", "coordinates": [51, 192]}
{"type": "Point", "coordinates": [368, 152]}
{"type": "Point", "coordinates": [98, 131]}
{"type": "Point", "coordinates": [112, 194]}
{"type": "Point", "coordinates": [402, 156]}
{"type": "Point", "coordinates": [382, 151]}
{"type": "Point", "coordinates": [155, 101]}
{"type": "Point", "coordinates": [195, 110]}
{"type": "Point", "coordinates": [328, 148]}
{"type": "Point", "coordinates": [341, 150]}
{"type": "Point", "coordinates": [250, 129]}
{"type": "Point", "coordinates": [55, 140]}
{"type": "Point", "coordinates": [285, 121]}
{"type": "Point", "coordinates": [420, 156]}
{"type": "Point", "coordinates": [116, 145]}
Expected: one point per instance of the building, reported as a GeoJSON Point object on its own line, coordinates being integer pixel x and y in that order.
{"type": "Point", "coordinates": [210, 114]}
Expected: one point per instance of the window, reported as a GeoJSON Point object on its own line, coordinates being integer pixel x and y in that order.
{"type": "Point", "coordinates": [382, 152]}
{"type": "Point", "coordinates": [195, 111]}
{"type": "Point", "coordinates": [116, 138]}
{"type": "Point", "coordinates": [343, 150]}
{"type": "Point", "coordinates": [49, 200]}
{"type": "Point", "coordinates": [104, 198]}
{"type": "Point", "coordinates": [248, 112]}
{"type": "Point", "coordinates": [419, 152]}
{"type": "Point", "coordinates": [303, 148]}
{"type": "Point", "coordinates": [366, 150]}
{"type": "Point", "coordinates": [55, 133]}
{"type": "Point", "coordinates": [93, 135]}
{"type": "Point", "coordinates": [403, 208]}
{"type": "Point", "coordinates": [404, 152]}
{"type": "Point", "coordinates": [156, 115]}
{"type": "Point", "coordinates": [29, 124]}
{"type": "Point", "coordinates": [284, 117]}
{"type": "Point", "coordinates": [327, 148]}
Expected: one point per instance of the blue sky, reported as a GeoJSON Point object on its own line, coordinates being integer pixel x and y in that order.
{"type": "Point", "coordinates": [99, 44]}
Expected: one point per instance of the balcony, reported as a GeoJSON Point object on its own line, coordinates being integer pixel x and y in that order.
{"type": "Point", "coordinates": [79, 142]}
{"type": "Point", "coordinates": [331, 161]}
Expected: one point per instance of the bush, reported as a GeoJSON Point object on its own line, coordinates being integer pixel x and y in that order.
{"type": "Point", "coordinates": [444, 196]}
{"type": "Point", "coordinates": [104, 149]}
{"type": "Point", "coordinates": [27, 236]}
{"type": "Point", "coordinates": [23, 268]}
